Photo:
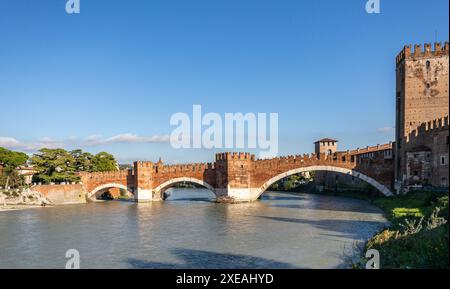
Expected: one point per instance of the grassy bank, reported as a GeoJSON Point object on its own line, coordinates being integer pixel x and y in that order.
{"type": "Point", "coordinates": [418, 236]}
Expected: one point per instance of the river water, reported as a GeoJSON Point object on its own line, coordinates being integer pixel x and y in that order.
{"type": "Point", "coordinates": [189, 230]}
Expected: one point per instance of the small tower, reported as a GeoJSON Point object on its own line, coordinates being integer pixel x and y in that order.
{"type": "Point", "coordinates": [325, 146]}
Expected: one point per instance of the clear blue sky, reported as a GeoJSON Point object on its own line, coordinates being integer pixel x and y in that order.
{"type": "Point", "coordinates": [125, 66]}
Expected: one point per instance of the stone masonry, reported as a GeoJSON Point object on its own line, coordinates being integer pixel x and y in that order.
{"type": "Point", "coordinates": [422, 105]}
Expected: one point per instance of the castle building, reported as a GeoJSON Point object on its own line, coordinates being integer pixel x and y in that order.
{"type": "Point", "coordinates": [380, 155]}
{"type": "Point", "coordinates": [422, 108]}
{"type": "Point", "coordinates": [326, 146]}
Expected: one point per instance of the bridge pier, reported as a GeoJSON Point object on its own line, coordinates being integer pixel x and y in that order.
{"type": "Point", "coordinates": [143, 196]}
{"type": "Point", "coordinates": [237, 194]}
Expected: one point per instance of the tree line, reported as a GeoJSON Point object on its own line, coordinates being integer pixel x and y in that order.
{"type": "Point", "coordinates": [53, 165]}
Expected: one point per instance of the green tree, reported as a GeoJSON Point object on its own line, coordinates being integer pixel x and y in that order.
{"type": "Point", "coordinates": [104, 162]}
{"type": "Point", "coordinates": [54, 165]}
{"type": "Point", "coordinates": [59, 165]}
{"type": "Point", "coordinates": [83, 160]}
{"type": "Point", "coordinates": [10, 160]}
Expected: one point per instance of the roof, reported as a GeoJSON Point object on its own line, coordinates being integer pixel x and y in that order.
{"type": "Point", "coordinates": [326, 140]}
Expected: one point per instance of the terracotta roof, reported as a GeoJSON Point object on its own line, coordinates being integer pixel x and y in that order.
{"type": "Point", "coordinates": [326, 140]}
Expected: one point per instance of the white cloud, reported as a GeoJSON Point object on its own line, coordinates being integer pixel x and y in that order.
{"type": "Point", "coordinates": [387, 129]}
{"type": "Point", "coordinates": [10, 142]}
{"type": "Point", "coordinates": [132, 138]}
{"type": "Point", "coordinates": [94, 140]}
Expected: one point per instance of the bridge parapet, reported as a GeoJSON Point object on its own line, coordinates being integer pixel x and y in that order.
{"type": "Point", "coordinates": [183, 167]}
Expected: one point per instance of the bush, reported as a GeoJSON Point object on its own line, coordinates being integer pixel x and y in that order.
{"type": "Point", "coordinates": [418, 236]}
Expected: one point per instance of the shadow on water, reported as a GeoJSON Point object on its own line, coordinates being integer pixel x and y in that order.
{"type": "Point", "coordinates": [328, 207]}
{"type": "Point", "coordinates": [196, 259]}
{"type": "Point", "coordinates": [326, 203]}
{"type": "Point", "coordinates": [343, 228]}
{"type": "Point", "coordinates": [280, 198]}
{"type": "Point", "coordinates": [208, 200]}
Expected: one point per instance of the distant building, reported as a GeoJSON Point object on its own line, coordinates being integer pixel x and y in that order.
{"type": "Point", "coordinates": [369, 155]}
{"type": "Point", "coordinates": [27, 172]}
{"type": "Point", "coordinates": [326, 146]}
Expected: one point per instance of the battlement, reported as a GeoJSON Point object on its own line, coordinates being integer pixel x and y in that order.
{"type": "Point", "coordinates": [427, 51]}
{"type": "Point", "coordinates": [370, 149]}
{"type": "Point", "coordinates": [143, 164]}
{"type": "Point", "coordinates": [430, 127]}
{"type": "Point", "coordinates": [184, 167]}
{"type": "Point", "coordinates": [235, 156]}
{"type": "Point", "coordinates": [111, 174]}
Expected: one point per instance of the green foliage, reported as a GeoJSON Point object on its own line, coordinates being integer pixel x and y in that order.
{"type": "Point", "coordinates": [54, 165]}
{"type": "Point", "coordinates": [289, 184]}
{"type": "Point", "coordinates": [407, 212]}
{"type": "Point", "coordinates": [419, 233]}
{"type": "Point", "coordinates": [59, 165]}
{"type": "Point", "coordinates": [12, 180]}
{"type": "Point", "coordinates": [11, 159]}
{"type": "Point", "coordinates": [82, 160]}
{"type": "Point", "coordinates": [104, 162]}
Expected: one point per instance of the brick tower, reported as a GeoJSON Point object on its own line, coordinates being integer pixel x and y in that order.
{"type": "Point", "coordinates": [421, 96]}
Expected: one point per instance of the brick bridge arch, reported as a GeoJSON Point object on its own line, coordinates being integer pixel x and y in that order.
{"type": "Point", "coordinates": [380, 187]}
{"type": "Point", "coordinates": [159, 190]}
{"type": "Point", "coordinates": [241, 177]}
{"type": "Point", "coordinates": [91, 194]}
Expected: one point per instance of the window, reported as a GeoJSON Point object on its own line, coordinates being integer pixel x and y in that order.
{"type": "Point", "coordinates": [443, 160]}
{"type": "Point", "coordinates": [416, 173]}
{"type": "Point", "coordinates": [428, 64]}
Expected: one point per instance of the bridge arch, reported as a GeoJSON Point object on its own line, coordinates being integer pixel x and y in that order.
{"type": "Point", "coordinates": [92, 193]}
{"type": "Point", "coordinates": [166, 185]}
{"type": "Point", "coordinates": [380, 187]}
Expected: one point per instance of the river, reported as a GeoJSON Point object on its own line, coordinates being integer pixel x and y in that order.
{"type": "Point", "coordinates": [189, 230]}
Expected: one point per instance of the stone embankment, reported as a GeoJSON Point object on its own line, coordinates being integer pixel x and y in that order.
{"type": "Point", "coordinates": [20, 199]}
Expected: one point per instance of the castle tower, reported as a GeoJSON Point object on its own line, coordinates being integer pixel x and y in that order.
{"type": "Point", "coordinates": [421, 95]}
{"type": "Point", "coordinates": [325, 146]}
{"type": "Point", "coordinates": [233, 175]}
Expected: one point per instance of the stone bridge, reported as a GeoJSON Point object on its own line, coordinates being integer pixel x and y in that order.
{"type": "Point", "coordinates": [242, 177]}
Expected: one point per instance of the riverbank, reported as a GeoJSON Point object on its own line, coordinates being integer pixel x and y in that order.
{"type": "Point", "coordinates": [418, 237]}
{"type": "Point", "coordinates": [4, 208]}
{"type": "Point", "coordinates": [11, 200]}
